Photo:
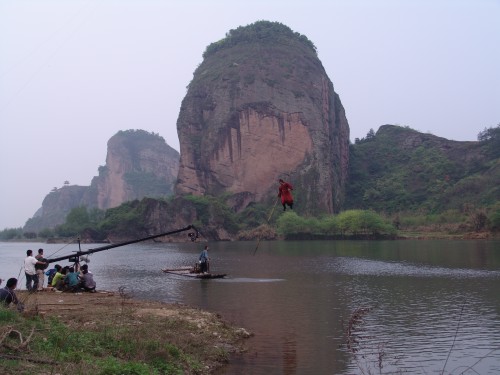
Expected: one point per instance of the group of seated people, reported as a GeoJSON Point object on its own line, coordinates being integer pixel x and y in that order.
{"type": "Point", "coordinates": [67, 279]}
{"type": "Point", "coordinates": [63, 279]}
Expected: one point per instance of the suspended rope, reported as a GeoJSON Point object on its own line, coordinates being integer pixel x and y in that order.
{"type": "Point", "coordinates": [269, 217]}
{"type": "Point", "coordinates": [267, 222]}
{"type": "Point", "coordinates": [69, 243]}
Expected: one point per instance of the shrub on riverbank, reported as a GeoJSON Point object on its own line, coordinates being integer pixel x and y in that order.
{"type": "Point", "coordinates": [11, 234]}
{"type": "Point", "coordinates": [468, 219]}
{"type": "Point", "coordinates": [348, 224]}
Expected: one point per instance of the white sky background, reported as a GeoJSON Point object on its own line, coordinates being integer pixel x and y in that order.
{"type": "Point", "coordinates": [74, 72]}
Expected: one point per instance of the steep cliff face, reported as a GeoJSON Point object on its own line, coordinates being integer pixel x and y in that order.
{"type": "Point", "coordinates": [261, 107]}
{"type": "Point", "coordinates": [138, 164]}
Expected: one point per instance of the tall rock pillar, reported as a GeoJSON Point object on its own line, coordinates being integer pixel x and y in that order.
{"type": "Point", "coordinates": [261, 107]}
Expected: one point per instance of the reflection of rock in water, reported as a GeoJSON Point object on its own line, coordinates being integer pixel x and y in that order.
{"type": "Point", "coordinates": [289, 356]}
{"type": "Point", "coordinates": [204, 294]}
{"type": "Point", "coordinates": [353, 325]}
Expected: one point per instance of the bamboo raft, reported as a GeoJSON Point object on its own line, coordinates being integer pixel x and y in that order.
{"type": "Point", "coordinates": [193, 273]}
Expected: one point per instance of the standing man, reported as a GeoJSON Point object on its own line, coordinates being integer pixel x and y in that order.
{"type": "Point", "coordinates": [284, 191]}
{"type": "Point", "coordinates": [204, 259]}
{"type": "Point", "coordinates": [40, 269]}
{"type": "Point", "coordinates": [30, 272]}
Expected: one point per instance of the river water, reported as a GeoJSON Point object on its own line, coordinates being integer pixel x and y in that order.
{"type": "Point", "coordinates": [423, 306]}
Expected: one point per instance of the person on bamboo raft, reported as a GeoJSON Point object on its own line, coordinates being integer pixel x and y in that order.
{"type": "Point", "coordinates": [285, 194]}
{"type": "Point", "coordinates": [204, 259]}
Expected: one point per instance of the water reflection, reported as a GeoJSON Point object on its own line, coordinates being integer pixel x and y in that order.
{"type": "Point", "coordinates": [289, 355]}
{"type": "Point", "coordinates": [355, 266]}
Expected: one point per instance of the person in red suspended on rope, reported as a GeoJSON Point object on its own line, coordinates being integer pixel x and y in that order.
{"type": "Point", "coordinates": [285, 194]}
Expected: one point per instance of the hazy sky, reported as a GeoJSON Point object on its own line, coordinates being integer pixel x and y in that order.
{"type": "Point", "coordinates": [74, 72]}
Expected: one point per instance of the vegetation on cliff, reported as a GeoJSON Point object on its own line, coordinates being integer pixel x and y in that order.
{"type": "Point", "coordinates": [347, 224]}
{"type": "Point", "coordinates": [136, 141]}
{"type": "Point", "coordinates": [425, 182]}
{"type": "Point", "coordinates": [262, 32]}
{"type": "Point", "coordinates": [399, 169]}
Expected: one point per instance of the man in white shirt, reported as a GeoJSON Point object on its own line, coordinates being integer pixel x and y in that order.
{"type": "Point", "coordinates": [30, 272]}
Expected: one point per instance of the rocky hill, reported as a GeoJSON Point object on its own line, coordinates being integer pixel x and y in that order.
{"type": "Point", "coordinates": [55, 206]}
{"type": "Point", "coordinates": [138, 164]}
{"type": "Point", "coordinates": [261, 107]}
{"type": "Point", "coordinates": [399, 169]}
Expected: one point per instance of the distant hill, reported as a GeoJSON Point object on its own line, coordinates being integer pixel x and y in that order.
{"type": "Point", "coordinates": [399, 169]}
{"type": "Point", "coordinates": [138, 164]}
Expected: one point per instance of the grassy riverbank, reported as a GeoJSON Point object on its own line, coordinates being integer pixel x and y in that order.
{"type": "Point", "coordinates": [109, 333]}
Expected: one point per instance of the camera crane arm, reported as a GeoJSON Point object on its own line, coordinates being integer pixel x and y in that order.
{"type": "Point", "coordinates": [79, 253]}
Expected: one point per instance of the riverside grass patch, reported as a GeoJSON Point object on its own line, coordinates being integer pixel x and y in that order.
{"type": "Point", "coordinates": [106, 350]}
{"type": "Point", "coordinates": [112, 339]}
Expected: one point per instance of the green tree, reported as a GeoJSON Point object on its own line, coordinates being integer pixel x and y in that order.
{"type": "Point", "coordinates": [494, 219]}
{"type": "Point", "coordinates": [261, 32]}
{"type": "Point", "coordinates": [125, 218]}
{"type": "Point", "coordinates": [291, 223]}
{"type": "Point", "coordinates": [46, 233]}
{"type": "Point", "coordinates": [329, 225]}
{"type": "Point", "coordinates": [349, 222]}
{"type": "Point", "coordinates": [76, 221]}
{"type": "Point", "coordinates": [10, 233]}
{"type": "Point", "coordinates": [213, 208]}
{"type": "Point", "coordinates": [370, 134]}
{"type": "Point", "coordinates": [490, 137]}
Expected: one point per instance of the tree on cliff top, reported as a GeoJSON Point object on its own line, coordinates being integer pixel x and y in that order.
{"type": "Point", "coordinates": [260, 31]}
{"type": "Point", "coordinates": [139, 134]}
{"type": "Point", "coordinates": [490, 137]}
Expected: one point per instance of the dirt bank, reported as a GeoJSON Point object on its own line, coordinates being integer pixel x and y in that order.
{"type": "Point", "coordinates": [109, 333]}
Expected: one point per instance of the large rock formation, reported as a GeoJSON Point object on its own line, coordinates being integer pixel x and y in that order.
{"type": "Point", "coordinates": [260, 107]}
{"type": "Point", "coordinates": [138, 164]}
